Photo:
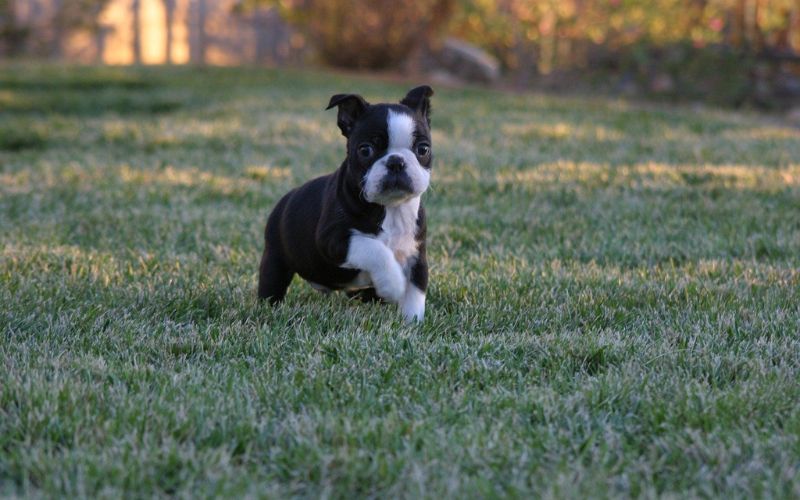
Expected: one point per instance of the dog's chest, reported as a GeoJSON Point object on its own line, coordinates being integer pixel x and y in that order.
{"type": "Point", "coordinates": [399, 230]}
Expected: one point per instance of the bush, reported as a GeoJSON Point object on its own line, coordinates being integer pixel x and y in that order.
{"type": "Point", "coordinates": [368, 34]}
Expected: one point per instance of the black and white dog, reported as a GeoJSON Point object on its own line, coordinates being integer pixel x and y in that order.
{"type": "Point", "coordinates": [362, 228]}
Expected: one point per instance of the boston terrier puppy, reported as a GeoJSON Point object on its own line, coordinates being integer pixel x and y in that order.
{"type": "Point", "coordinates": [362, 228]}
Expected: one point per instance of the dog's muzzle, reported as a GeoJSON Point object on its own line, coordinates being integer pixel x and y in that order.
{"type": "Point", "coordinates": [396, 178]}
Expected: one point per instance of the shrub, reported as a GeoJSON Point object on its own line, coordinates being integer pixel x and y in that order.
{"type": "Point", "coordinates": [367, 34]}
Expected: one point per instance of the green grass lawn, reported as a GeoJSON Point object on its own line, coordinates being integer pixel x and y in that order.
{"type": "Point", "coordinates": [614, 305]}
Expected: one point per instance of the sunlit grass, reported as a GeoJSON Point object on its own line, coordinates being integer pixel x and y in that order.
{"type": "Point", "coordinates": [650, 176]}
{"type": "Point", "coordinates": [560, 131]}
{"type": "Point", "coordinates": [613, 310]}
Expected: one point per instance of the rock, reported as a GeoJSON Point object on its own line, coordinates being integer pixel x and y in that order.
{"type": "Point", "coordinates": [444, 78]}
{"type": "Point", "coordinates": [467, 62]}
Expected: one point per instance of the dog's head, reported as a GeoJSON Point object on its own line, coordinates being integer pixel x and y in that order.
{"type": "Point", "coordinates": [388, 145]}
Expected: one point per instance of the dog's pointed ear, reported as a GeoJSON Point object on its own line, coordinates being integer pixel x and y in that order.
{"type": "Point", "coordinates": [419, 99]}
{"type": "Point", "coordinates": [351, 106]}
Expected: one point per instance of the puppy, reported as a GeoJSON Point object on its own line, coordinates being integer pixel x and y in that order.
{"type": "Point", "coordinates": [362, 228]}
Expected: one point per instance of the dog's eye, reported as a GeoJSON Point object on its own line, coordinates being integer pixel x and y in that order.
{"type": "Point", "coordinates": [423, 149]}
{"type": "Point", "coordinates": [365, 151]}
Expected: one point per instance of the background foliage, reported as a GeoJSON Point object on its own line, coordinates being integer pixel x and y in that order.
{"type": "Point", "coordinates": [365, 33]}
{"type": "Point", "coordinates": [730, 52]}
{"type": "Point", "coordinates": [565, 32]}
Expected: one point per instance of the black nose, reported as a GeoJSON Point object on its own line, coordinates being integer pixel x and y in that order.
{"type": "Point", "coordinates": [395, 163]}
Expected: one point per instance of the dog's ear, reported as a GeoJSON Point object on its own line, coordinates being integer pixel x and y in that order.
{"type": "Point", "coordinates": [351, 106]}
{"type": "Point", "coordinates": [419, 99]}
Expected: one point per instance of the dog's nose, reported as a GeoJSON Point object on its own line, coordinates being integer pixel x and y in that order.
{"type": "Point", "coordinates": [395, 163]}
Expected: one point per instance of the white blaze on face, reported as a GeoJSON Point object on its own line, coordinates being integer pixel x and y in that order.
{"type": "Point", "coordinates": [400, 128]}
{"type": "Point", "coordinates": [401, 131]}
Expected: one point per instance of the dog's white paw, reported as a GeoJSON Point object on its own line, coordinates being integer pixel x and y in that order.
{"type": "Point", "coordinates": [390, 282]}
{"type": "Point", "coordinates": [413, 304]}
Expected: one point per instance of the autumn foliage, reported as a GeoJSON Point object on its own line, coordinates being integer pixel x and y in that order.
{"type": "Point", "coordinates": [565, 33]}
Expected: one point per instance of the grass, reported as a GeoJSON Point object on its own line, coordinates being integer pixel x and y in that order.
{"type": "Point", "coordinates": [614, 306]}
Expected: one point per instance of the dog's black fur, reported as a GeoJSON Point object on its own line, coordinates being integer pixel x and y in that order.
{"type": "Point", "coordinates": [309, 230]}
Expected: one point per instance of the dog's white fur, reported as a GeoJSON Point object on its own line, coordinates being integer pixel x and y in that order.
{"type": "Point", "coordinates": [413, 305]}
{"type": "Point", "coordinates": [398, 231]}
{"type": "Point", "coordinates": [388, 257]}
{"type": "Point", "coordinates": [373, 256]}
{"type": "Point", "coordinates": [401, 140]}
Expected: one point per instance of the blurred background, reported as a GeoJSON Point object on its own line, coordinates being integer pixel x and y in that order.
{"type": "Point", "coordinates": [733, 53]}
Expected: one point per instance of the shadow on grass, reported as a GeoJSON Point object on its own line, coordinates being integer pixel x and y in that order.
{"type": "Point", "coordinates": [90, 92]}
{"type": "Point", "coordinates": [88, 102]}
{"type": "Point", "coordinates": [14, 138]}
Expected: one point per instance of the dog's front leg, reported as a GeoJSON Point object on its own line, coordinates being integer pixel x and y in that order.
{"type": "Point", "coordinates": [369, 254]}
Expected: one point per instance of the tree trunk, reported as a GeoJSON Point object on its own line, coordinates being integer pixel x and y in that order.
{"type": "Point", "coordinates": [136, 26]}
{"type": "Point", "coordinates": [757, 35]}
{"type": "Point", "coordinates": [169, 10]}
{"type": "Point", "coordinates": [737, 24]}
{"type": "Point", "coordinates": [197, 28]}
{"type": "Point", "coordinates": [100, 43]}
{"type": "Point", "coordinates": [56, 43]}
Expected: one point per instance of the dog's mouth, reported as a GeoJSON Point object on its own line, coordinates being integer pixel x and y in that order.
{"type": "Point", "coordinates": [396, 187]}
{"type": "Point", "coordinates": [396, 182]}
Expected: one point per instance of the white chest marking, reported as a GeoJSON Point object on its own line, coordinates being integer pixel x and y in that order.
{"type": "Point", "coordinates": [396, 239]}
{"type": "Point", "coordinates": [399, 230]}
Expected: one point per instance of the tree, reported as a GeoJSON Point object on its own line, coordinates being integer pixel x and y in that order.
{"type": "Point", "coordinates": [71, 16]}
{"type": "Point", "coordinates": [13, 34]}
{"type": "Point", "coordinates": [169, 10]}
{"type": "Point", "coordinates": [197, 32]}
{"type": "Point", "coordinates": [136, 29]}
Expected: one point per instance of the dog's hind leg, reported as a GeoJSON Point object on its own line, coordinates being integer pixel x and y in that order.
{"type": "Point", "coordinates": [273, 277]}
